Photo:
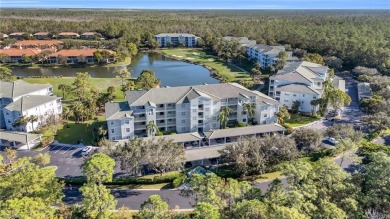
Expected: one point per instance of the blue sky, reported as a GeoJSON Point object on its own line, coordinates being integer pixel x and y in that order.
{"type": "Point", "coordinates": [200, 4]}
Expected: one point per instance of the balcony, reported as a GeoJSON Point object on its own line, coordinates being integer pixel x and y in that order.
{"type": "Point", "coordinates": [139, 119]}
{"type": "Point", "coordinates": [139, 127]}
{"type": "Point", "coordinates": [160, 116]}
{"type": "Point", "coordinates": [171, 114]}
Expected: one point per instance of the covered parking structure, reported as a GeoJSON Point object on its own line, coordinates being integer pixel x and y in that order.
{"type": "Point", "coordinates": [220, 136]}
{"type": "Point", "coordinates": [19, 140]}
{"type": "Point", "coordinates": [182, 139]}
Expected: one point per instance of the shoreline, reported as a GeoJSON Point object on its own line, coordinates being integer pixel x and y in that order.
{"type": "Point", "coordinates": [126, 62]}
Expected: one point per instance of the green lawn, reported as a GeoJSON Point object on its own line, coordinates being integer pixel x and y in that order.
{"type": "Point", "coordinates": [200, 56]}
{"type": "Point", "coordinates": [297, 120]}
{"type": "Point", "coordinates": [101, 83]}
{"type": "Point", "coordinates": [269, 176]}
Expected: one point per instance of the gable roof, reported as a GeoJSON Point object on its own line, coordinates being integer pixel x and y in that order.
{"type": "Point", "coordinates": [78, 52]}
{"type": "Point", "coordinates": [41, 34]}
{"type": "Point", "coordinates": [185, 93]}
{"type": "Point", "coordinates": [117, 110]}
{"type": "Point", "coordinates": [300, 72]}
{"type": "Point", "coordinates": [266, 49]}
{"type": "Point", "coordinates": [19, 88]}
{"type": "Point", "coordinates": [30, 101]}
{"type": "Point", "coordinates": [20, 52]}
{"type": "Point", "coordinates": [37, 42]}
{"type": "Point", "coordinates": [174, 35]}
{"type": "Point", "coordinates": [297, 88]}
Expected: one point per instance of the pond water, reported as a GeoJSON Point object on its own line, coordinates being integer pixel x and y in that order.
{"type": "Point", "coordinates": [171, 72]}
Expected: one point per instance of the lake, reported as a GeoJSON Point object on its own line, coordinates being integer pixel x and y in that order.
{"type": "Point", "coordinates": [171, 72]}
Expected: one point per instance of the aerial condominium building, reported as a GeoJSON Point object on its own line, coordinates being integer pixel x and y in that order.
{"type": "Point", "coordinates": [299, 81]}
{"type": "Point", "coordinates": [265, 55]}
{"type": "Point", "coordinates": [186, 109]}
{"type": "Point", "coordinates": [165, 39]}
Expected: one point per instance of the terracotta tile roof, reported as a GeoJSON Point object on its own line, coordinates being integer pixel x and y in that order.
{"type": "Point", "coordinates": [38, 42]}
{"type": "Point", "coordinates": [89, 33]}
{"type": "Point", "coordinates": [16, 34]}
{"type": "Point", "coordinates": [41, 33]}
{"type": "Point", "coordinates": [67, 34]}
{"type": "Point", "coordinates": [20, 52]}
{"type": "Point", "coordinates": [77, 52]}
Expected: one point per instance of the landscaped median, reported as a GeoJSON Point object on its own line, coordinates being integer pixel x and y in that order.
{"type": "Point", "coordinates": [220, 70]}
{"type": "Point", "coordinates": [155, 181]}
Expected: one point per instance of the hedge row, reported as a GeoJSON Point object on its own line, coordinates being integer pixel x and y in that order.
{"type": "Point", "coordinates": [168, 178]}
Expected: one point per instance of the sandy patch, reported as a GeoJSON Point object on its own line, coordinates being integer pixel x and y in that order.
{"type": "Point", "coordinates": [211, 60]}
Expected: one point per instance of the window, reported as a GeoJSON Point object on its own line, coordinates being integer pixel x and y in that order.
{"type": "Point", "coordinates": [319, 83]}
{"type": "Point", "coordinates": [303, 95]}
{"type": "Point", "coordinates": [194, 118]}
{"type": "Point", "coordinates": [127, 129]}
{"type": "Point", "coordinates": [112, 122]}
{"type": "Point", "coordinates": [7, 113]}
{"type": "Point", "coordinates": [314, 98]}
{"type": "Point", "coordinates": [265, 115]}
{"type": "Point", "coordinates": [183, 129]}
{"type": "Point", "coordinates": [285, 100]}
{"type": "Point", "coordinates": [113, 138]}
{"type": "Point", "coordinates": [9, 121]}
{"type": "Point", "coordinates": [287, 94]}
{"type": "Point", "coordinates": [183, 121]}
{"type": "Point", "coordinates": [214, 118]}
{"type": "Point", "coordinates": [244, 120]}
{"type": "Point", "coordinates": [112, 131]}
{"type": "Point", "coordinates": [194, 110]}
{"type": "Point", "coordinates": [294, 95]}
{"type": "Point", "coordinates": [183, 113]}
{"type": "Point", "coordinates": [183, 106]}
{"type": "Point", "coordinates": [127, 122]}
{"type": "Point", "coordinates": [264, 122]}
{"type": "Point", "coordinates": [214, 125]}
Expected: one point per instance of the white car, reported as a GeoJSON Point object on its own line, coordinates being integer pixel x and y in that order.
{"type": "Point", "coordinates": [86, 151]}
{"type": "Point", "coordinates": [333, 141]}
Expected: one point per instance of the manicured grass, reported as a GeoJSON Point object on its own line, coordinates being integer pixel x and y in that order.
{"type": "Point", "coordinates": [200, 56]}
{"type": "Point", "coordinates": [268, 176]}
{"type": "Point", "coordinates": [297, 120]}
{"type": "Point", "coordinates": [101, 83]}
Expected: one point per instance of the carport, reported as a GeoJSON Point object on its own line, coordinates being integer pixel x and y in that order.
{"type": "Point", "coordinates": [19, 140]}
{"type": "Point", "coordinates": [176, 138]}
{"type": "Point", "coordinates": [243, 132]}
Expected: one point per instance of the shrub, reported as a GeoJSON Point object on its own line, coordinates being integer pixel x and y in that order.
{"type": "Point", "coordinates": [179, 181]}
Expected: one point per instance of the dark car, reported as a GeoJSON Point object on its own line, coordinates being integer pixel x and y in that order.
{"type": "Point", "coordinates": [194, 143]}
{"type": "Point", "coordinates": [213, 161]}
{"type": "Point", "coordinates": [187, 165]}
{"type": "Point", "coordinates": [187, 144]}
{"type": "Point", "coordinates": [218, 140]}
{"type": "Point", "coordinates": [228, 139]}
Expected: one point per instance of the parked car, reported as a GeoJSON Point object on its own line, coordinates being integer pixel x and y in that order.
{"type": "Point", "coordinates": [228, 139]}
{"type": "Point", "coordinates": [332, 141]}
{"type": "Point", "coordinates": [188, 165]}
{"type": "Point", "coordinates": [205, 142]}
{"type": "Point", "coordinates": [187, 144]}
{"type": "Point", "coordinates": [86, 150]}
{"type": "Point", "coordinates": [194, 143]}
{"type": "Point", "coordinates": [218, 140]}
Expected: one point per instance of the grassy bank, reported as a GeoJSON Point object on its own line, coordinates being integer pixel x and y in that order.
{"type": "Point", "coordinates": [101, 83]}
{"type": "Point", "coordinates": [199, 56]}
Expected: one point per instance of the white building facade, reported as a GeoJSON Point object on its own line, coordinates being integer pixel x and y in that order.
{"type": "Point", "coordinates": [164, 39]}
{"type": "Point", "coordinates": [299, 81]}
{"type": "Point", "coordinates": [40, 106]}
{"type": "Point", "coordinates": [13, 91]}
{"type": "Point", "coordinates": [186, 109]}
{"type": "Point", "coordinates": [265, 55]}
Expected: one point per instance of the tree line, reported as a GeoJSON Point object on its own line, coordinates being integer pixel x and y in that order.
{"type": "Point", "coordinates": [356, 37]}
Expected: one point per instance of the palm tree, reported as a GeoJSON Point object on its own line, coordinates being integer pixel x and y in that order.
{"type": "Point", "coordinates": [251, 110]}
{"type": "Point", "coordinates": [32, 119]}
{"type": "Point", "coordinates": [66, 113]}
{"type": "Point", "coordinates": [151, 128]}
{"type": "Point", "coordinates": [79, 111]}
{"type": "Point", "coordinates": [223, 116]}
{"type": "Point", "coordinates": [21, 121]}
{"type": "Point", "coordinates": [64, 88]}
